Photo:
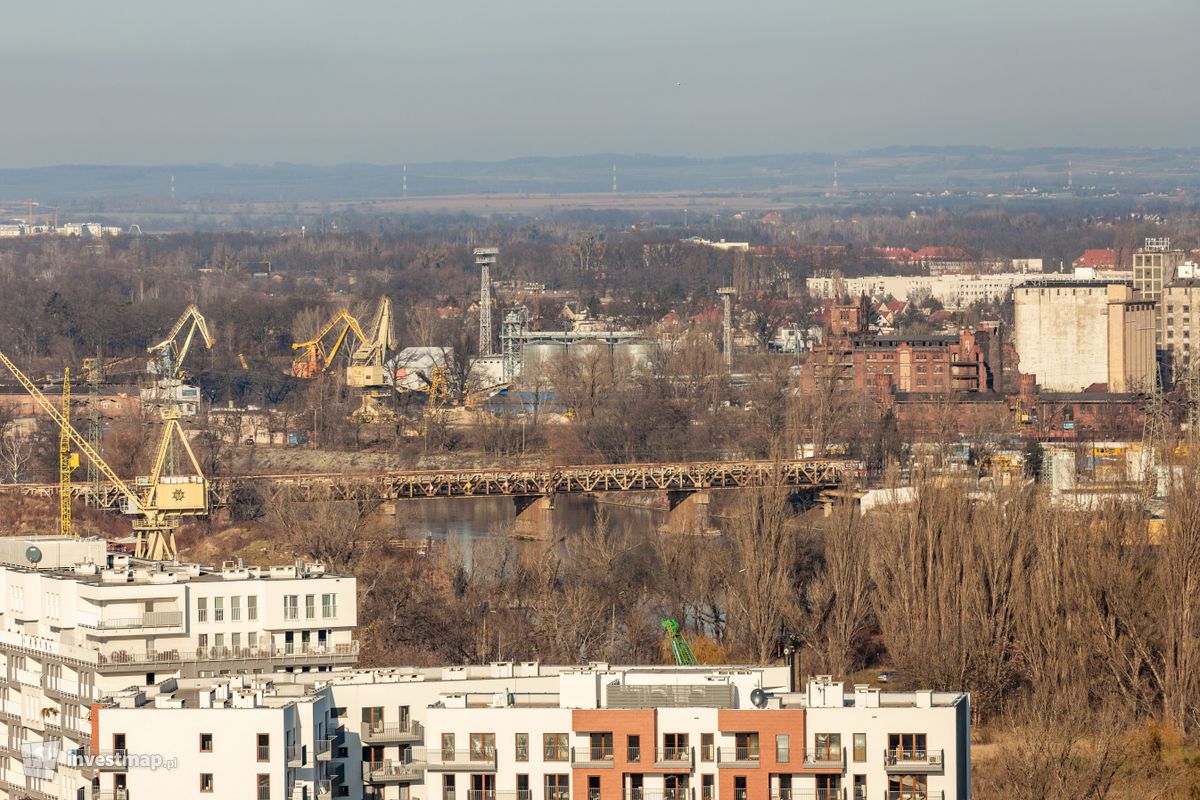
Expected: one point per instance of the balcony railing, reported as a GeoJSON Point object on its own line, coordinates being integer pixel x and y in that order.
{"type": "Point", "coordinates": [913, 760]}
{"type": "Point", "coordinates": [658, 794]}
{"type": "Point", "coordinates": [408, 768]}
{"type": "Point", "coordinates": [347, 650]}
{"type": "Point", "coordinates": [470, 760]}
{"type": "Point", "coordinates": [825, 759]}
{"type": "Point", "coordinates": [295, 755]}
{"type": "Point", "coordinates": [150, 619]}
{"type": "Point", "coordinates": [324, 789]}
{"type": "Point", "coordinates": [808, 794]}
{"type": "Point", "coordinates": [731, 756]}
{"type": "Point", "coordinates": [916, 794]}
{"type": "Point", "coordinates": [378, 733]}
{"type": "Point", "coordinates": [262, 753]}
{"type": "Point", "coordinates": [323, 748]}
{"type": "Point", "coordinates": [673, 756]}
{"type": "Point", "coordinates": [592, 756]}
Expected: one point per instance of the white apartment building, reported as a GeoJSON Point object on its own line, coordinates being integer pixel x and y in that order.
{"type": "Point", "coordinates": [79, 624]}
{"type": "Point", "coordinates": [527, 732]}
{"type": "Point", "coordinates": [952, 290]}
{"type": "Point", "coordinates": [140, 680]}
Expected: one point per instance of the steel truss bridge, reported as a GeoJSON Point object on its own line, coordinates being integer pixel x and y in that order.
{"type": "Point", "coordinates": [802, 474]}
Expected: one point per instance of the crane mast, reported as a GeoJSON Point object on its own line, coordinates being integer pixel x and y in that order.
{"type": "Point", "coordinates": [67, 461]}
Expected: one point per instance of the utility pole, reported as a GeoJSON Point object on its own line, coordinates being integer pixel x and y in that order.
{"type": "Point", "coordinates": [485, 259]}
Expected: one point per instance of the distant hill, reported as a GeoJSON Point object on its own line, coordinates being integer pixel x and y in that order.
{"type": "Point", "coordinates": [931, 169]}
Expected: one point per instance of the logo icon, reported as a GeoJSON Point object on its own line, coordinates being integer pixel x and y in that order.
{"type": "Point", "coordinates": [40, 759]}
{"type": "Point", "coordinates": [178, 495]}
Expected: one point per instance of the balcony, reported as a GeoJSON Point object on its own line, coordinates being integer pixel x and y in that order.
{"type": "Point", "coordinates": [913, 762]}
{"type": "Point", "coordinates": [825, 759]}
{"type": "Point", "coordinates": [110, 760]}
{"type": "Point", "coordinates": [808, 794]}
{"type": "Point", "coordinates": [739, 757]}
{"type": "Point", "coordinates": [324, 790]}
{"type": "Point", "coordinates": [409, 768]}
{"type": "Point", "coordinates": [377, 733]}
{"type": "Point", "coordinates": [658, 794]}
{"type": "Point", "coordinates": [120, 660]}
{"type": "Point", "coordinates": [462, 761]}
{"type": "Point", "coordinates": [673, 757]}
{"type": "Point", "coordinates": [295, 755]}
{"type": "Point", "coordinates": [916, 794]}
{"type": "Point", "coordinates": [323, 748]}
{"type": "Point", "coordinates": [592, 757]}
{"type": "Point", "coordinates": [149, 619]}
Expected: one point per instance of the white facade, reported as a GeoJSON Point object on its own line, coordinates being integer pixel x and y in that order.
{"type": "Point", "coordinates": [83, 624]}
{"type": "Point", "coordinates": [956, 290]}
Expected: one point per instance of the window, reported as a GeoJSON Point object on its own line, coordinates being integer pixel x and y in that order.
{"type": "Point", "coordinates": [675, 747]}
{"type": "Point", "coordinates": [557, 787]}
{"type": "Point", "coordinates": [739, 787]}
{"type": "Point", "coordinates": [219, 641]}
{"type": "Point", "coordinates": [860, 787]}
{"type": "Point", "coordinates": [206, 743]}
{"type": "Point", "coordinates": [522, 748]}
{"type": "Point", "coordinates": [829, 747]}
{"type": "Point", "coordinates": [235, 608]}
{"type": "Point", "coordinates": [264, 747]}
{"type": "Point", "coordinates": [633, 749]}
{"type": "Point", "coordinates": [206, 782]}
{"type": "Point", "coordinates": [555, 747]}
{"type": "Point", "coordinates": [745, 746]}
{"type": "Point", "coordinates": [907, 746]}
{"type": "Point", "coordinates": [593, 787]}
{"type": "Point", "coordinates": [706, 747]}
{"type": "Point", "coordinates": [291, 606]}
{"type": "Point", "coordinates": [447, 747]}
{"type": "Point", "coordinates": [252, 639]}
{"type": "Point", "coordinates": [202, 641]}
{"type": "Point", "coordinates": [264, 787]}
{"type": "Point", "coordinates": [783, 749]}
{"type": "Point", "coordinates": [218, 609]}
{"type": "Point", "coordinates": [310, 606]}
{"type": "Point", "coordinates": [252, 608]}
{"type": "Point", "coordinates": [707, 789]}
{"type": "Point", "coordinates": [860, 747]}
{"type": "Point", "coordinates": [201, 609]}
{"type": "Point", "coordinates": [448, 787]}
{"type": "Point", "coordinates": [600, 747]}
{"type": "Point", "coordinates": [483, 746]}
{"type": "Point", "coordinates": [904, 786]}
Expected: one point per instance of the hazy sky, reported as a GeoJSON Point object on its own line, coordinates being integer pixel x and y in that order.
{"type": "Point", "coordinates": [394, 81]}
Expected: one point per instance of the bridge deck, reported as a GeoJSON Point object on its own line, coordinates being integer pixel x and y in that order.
{"type": "Point", "coordinates": [529, 482]}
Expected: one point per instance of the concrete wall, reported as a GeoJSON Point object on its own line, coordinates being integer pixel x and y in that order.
{"type": "Point", "coordinates": [1062, 335]}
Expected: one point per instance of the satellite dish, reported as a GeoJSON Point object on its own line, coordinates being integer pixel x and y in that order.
{"type": "Point", "coordinates": [33, 554]}
{"type": "Point", "coordinates": [758, 698]}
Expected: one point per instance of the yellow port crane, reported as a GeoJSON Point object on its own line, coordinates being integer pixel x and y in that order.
{"type": "Point", "coordinates": [156, 502]}
{"type": "Point", "coordinates": [367, 370]}
{"type": "Point", "coordinates": [314, 358]}
{"type": "Point", "coordinates": [170, 354]}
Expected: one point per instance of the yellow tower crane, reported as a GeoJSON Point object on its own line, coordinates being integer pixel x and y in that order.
{"type": "Point", "coordinates": [67, 461]}
{"type": "Point", "coordinates": [315, 359]}
{"type": "Point", "coordinates": [368, 364]}
{"type": "Point", "coordinates": [156, 502]}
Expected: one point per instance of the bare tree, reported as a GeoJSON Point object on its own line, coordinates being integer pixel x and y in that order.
{"type": "Point", "coordinates": [838, 614]}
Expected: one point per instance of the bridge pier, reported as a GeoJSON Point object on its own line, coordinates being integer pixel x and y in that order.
{"type": "Point", "coordinates": [688, 513]}
{"type": "Point", "coordinates": [535, 517]}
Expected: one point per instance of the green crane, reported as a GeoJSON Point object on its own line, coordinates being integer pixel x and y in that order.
{"type": "Point", "coordinates": [679, 646]}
